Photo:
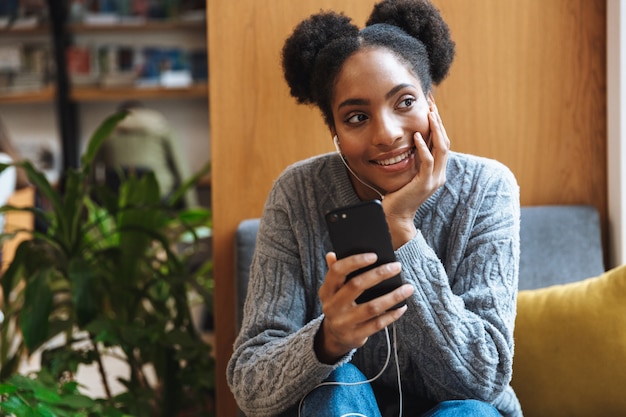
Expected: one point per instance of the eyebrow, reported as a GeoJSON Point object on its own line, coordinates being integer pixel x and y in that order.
{"type": "Point", "coordinates": [396, 89]}
{"type": "Point", "coordinates": [360, 101]}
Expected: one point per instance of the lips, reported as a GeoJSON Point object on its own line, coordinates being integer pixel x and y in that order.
{"type": "Point", "coordinates": [396, 159]}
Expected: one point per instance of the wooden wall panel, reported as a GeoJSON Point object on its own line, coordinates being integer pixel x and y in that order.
{"type": "Point", "coordinates": [528, 87]}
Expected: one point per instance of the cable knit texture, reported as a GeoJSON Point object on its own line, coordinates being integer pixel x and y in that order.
{"type": "Point", "coordinates": [456, 339]}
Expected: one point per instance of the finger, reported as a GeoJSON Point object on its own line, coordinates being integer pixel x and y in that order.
{"type": "Point", "coordinates": [441, 143]}
{"type": "Point", "coordinates": [368, 318]}
{"type": "Point", "coordinates": [431, 95]}
{"type": "Point", "coordinates": [331, 283]}
{"type": "Point", "coordinates": [424, 154]}
{"type": "Point", "coordinates": [331, 259]}
{"type": "Point", "coordinates": [362, 282]}
{"type": "Point", "coordinates": [430, 98]}
{"type": "Point", "coordinates": [352, 263]}
{"type": "Point", "coordinates": [338, 270]}
{"type": "Point", "coordinates": [387, 302]}
{"type": "Point", "coordinates": [437, 124]}
{"type": "Point", "coordinates": [381, 321]}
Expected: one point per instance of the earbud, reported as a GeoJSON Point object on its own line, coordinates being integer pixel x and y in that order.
{"type": "Point", "coordinates": [336, 142]}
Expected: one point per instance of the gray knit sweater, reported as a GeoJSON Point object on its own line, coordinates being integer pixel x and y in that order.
{"type": "Point", "coordinates": [456, 339]}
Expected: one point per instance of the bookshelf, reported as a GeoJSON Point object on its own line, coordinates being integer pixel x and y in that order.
{"type": "Point", "coordinates": [25, 30]}
{"type": "Point", "coordinates": [73, 107]}
{"type": "Point", "coordinates": [44, 95]}
{"type": "Point", "coordinates": [149, 60]}
{"type": "Point", "coordinates": [91, 94]}
{"type": "Point", "coordinates": [79, 102]}
{"type": "Point", "coordinates": [26, 65]}
{"type": "Point", "coordinates": [103, 33]}
{"type": "Point", "coordinates": [27, 85]}
{"type": "Point", "coordinates": [146, 26]}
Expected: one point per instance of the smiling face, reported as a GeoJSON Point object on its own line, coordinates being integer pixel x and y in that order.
{"type": "Point", "coordinates": [378, 105]}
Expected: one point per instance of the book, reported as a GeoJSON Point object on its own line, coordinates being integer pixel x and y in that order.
{"type": "Point", "coordinates": [80, 67]}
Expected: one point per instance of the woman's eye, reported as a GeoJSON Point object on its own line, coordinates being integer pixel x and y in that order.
{"type": "Point", "coordinates": [406, 102]}
{"type": "Point", "coordinates": [357, 118]}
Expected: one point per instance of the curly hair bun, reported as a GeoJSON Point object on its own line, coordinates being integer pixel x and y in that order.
{"type": "Point", "coordinates": [302, 47]}
{"type": "Point", "coordinates": [421, 20]}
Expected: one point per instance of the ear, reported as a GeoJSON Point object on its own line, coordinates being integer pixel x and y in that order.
{"type": "Point", "coordinates": [333, 132]}
{"type": "Point", "coordinates": [336, 142]}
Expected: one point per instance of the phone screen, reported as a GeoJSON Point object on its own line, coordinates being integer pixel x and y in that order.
{"type": "Point", "coordinates": [363, 228]}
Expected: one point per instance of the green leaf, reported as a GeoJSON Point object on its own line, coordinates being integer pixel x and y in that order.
{"type": "Point", "coordinates": [7, 389]}
{"type": "Point", "coordinates": [16, 406]}
{"type": "Point", "coordinates": [10, 277]}
{"type": "Point", "coordinates": [196, 216]}
{"type": "Point", "coordinates": [41, 183]}
{"type": "Point", "coordinates": [86, 292]}
{"type": "Point", "coordinates": [102, 132]}
{"type": "Point", "coordinates": [78, 402]}
{"type": "Point", "coordinates": [44, 411]}
{"type": "Point", "coordinates": [73, 205]}
{"type": "Point", "coordinates": [107, 272]}
{"type": "Point", "coordinates": [47, 395]}
{"type": "Point", "coordinates": [140, 221]}
{"type": "Point", "coordinates": [104, 330]}
{"type": "Point", "coordinates": [188, 184]}
{"type": "Point", "coordinates": [141, 192]}
{"type": "Point", "coordinates": [36, 309]}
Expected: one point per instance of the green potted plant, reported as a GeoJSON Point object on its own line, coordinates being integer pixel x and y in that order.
{"type": "Point", "coordinates": [109, 275]}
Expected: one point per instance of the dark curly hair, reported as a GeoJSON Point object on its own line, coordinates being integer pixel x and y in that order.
{"type": "Point", "coordinates": [413, 30]}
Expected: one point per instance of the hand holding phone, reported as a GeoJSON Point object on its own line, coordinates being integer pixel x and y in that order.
{"type": "Point", "coordinates": [363, 228]}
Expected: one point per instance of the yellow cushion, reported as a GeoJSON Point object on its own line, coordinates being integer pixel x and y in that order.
{"type": "Point", "coordinates": [570, 348]}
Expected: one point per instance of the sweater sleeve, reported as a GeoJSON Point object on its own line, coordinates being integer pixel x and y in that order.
{"type": "Point", "coordinates": [460, 321]}
{"type": "Point", "coordinates": [274, 364]}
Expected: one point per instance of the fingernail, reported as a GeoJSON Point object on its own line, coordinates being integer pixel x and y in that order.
{"type": "Point", "coordinates": [409, 290]}
{"type": "Point", "coordinates": [394, 267]}
{"type": "Point", "coordinates": [369, 257]}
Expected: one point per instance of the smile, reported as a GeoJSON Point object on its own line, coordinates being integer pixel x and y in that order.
{"type": "Point", "coordinates": [396, 159]}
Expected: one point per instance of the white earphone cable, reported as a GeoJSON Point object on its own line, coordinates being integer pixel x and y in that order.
{"type": "Point", "coordinates": [336, 141]}
{"type": "Point", "coordinates": [338, 383]}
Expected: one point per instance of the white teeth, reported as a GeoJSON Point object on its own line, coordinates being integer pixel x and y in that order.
{"type": "Point", "coordinates": [394, 160]}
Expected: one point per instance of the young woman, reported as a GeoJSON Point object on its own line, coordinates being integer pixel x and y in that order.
{"type": "Point", "coordinates": [454, 223]}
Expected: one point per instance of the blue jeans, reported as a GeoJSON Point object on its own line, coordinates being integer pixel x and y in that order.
{"type": "Point", "coordinates": [332, 400]}
{"type": "Point", "coordinates": [463, 408]}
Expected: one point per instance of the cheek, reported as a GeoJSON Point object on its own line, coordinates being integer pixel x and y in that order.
{"type": "Point", "coordinates": [421, 117]}
{"type": "Point", "coordinates": [423, 126]}
{"type": "Point", "coordinates": [353, 149]}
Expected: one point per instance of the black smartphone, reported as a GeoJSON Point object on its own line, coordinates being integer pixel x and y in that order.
{"type": "Point", "coordinates": [363, 228]}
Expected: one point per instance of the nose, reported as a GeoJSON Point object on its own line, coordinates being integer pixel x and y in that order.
{"type": "Point", "coordinates": [387, 130]}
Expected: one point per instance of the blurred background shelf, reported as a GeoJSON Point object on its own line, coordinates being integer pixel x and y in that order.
{"type": "Point", "coordinates": [85, 94]}
{"type": "Point", "coordinates": [45, 95]}
{"type": "Point", "coordinates": [71, 63]}
{"type": "Point", "coordinates": [147, 26]}
{"type": "Point", "coordinates": [20, 31]}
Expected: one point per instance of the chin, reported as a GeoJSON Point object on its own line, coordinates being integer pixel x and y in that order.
{"type": "Point", "coordinates": [393, 188]}
{"type": "Point", "coordinates": [401, 182]}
